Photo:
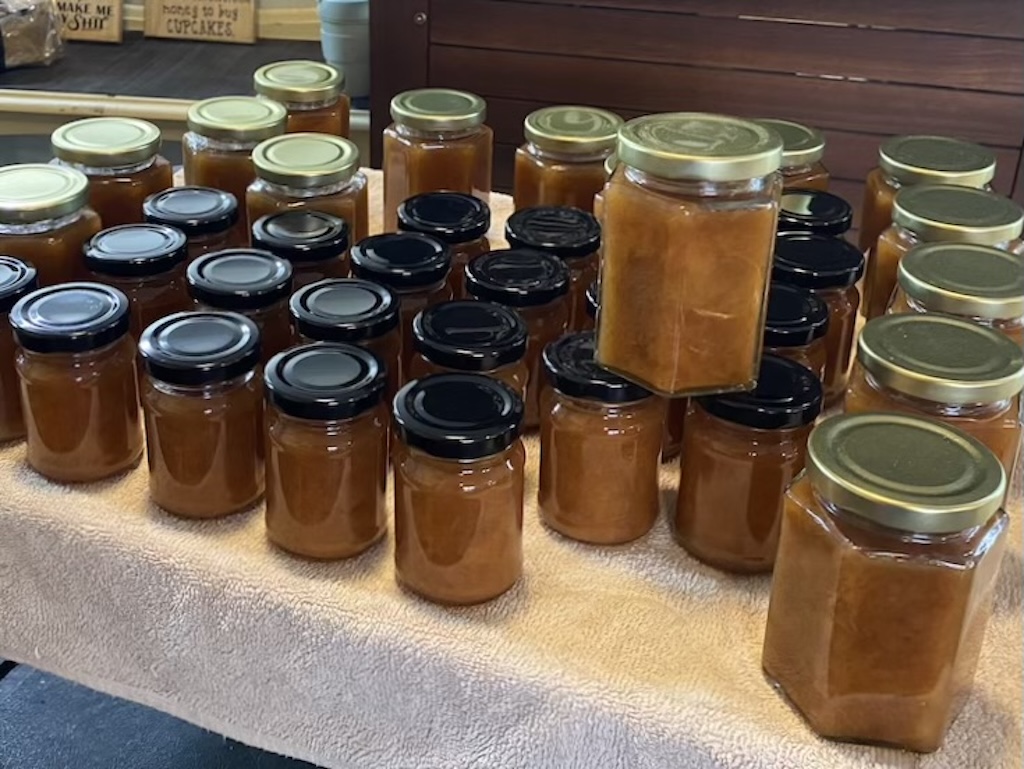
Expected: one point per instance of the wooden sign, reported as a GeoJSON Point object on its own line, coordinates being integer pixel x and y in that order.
{"type": "Point", "coordinates": [99, 21]}
{"type": "Point", "coordinates": [219, 21]}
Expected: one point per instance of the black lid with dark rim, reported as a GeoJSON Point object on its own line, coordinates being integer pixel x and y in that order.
{"type": "Point", "coordinates": [787, 395]}
{"type": "Point", "coordinates": [795, 317]}
{"type": "Point", "coordinates": [814, 211]}
{"type": "Point", "coordinates": [458, 416]}
{"type": "Point", "coordinates": [197, 348]}
{"type": "Point", "coordinates": [70, 317]}
{"type": "Point", "coordinates": [593, 298]}
{"type": "Point", "coordinates": [239, 279]}
{"type": "Point", "coordinates": [453, 217]}
{"type": "Point", "coordinates": [17, 278]}
{"type": "Point", "coordinates": [302, 236]}
{"type": "Point", "coordinates": [570, 366]}
{"type": "Point", "coordinates": [568, 233]}
{"type": "Point", "coordinates": [517, 277]}
{"type": "Point", "coordinates": [324, 381]}
{"type": "Point", "coordinates": [344, 310]}
{"type": "Point", "coordinates": [816, 261]}
{"type": "Point", "coordinates": [136, 250]}
{"type": "Point", "coordinates": [403, 261]}
{"type": "Point", "coordinates": [470, 335]}
{"type": "Point", "coordinates": [193, 210]}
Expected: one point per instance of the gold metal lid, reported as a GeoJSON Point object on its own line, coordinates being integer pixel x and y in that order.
{"type": "Point", "coordinates": [237, 118]}
{"type": "Point", "coordinates": [572, 130]}
{"type": "Point", "coordinates": [905, 472]}
{"type": "Point", "coordinates": [306, 160]}
{"type": "Point", "coordinates": [938, 160]}
{"type": "Point", "coordinates": [699, 146]}
{"type": "Point", "coordinates": [942, 212]}
{"type": "Point", "coordinates": [941, 359]}
{"type": "Point", "coordinates": [801, 145]}
{"type": "Point", "coordinates": [438, 109]}
{"type": "Point", "coordinates": [105, 142]}
{"type": "Point", "coordinates": [32, 192]}
{"type": "Point", "coordinates": [963, 279]}
{"type": "Point", "coordinates": [298, 81]}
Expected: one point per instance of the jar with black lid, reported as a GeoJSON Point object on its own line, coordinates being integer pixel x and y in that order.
{"type": "Point", "coordinates": [795, 326]}
{"type": "Point", "coordinates": [206, 216]}
{"type": "Point", "coordinates": [814, 211]}
{"type": "Point", "coordinates": [315, 243]}
{"type": "Point", "coordinates": [17, 278]}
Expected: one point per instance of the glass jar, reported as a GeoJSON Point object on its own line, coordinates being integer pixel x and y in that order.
{"type": "Point", "coordinates": [741, 451]}
{"type": "Point", "coordinates": [45, 219]}
{"type": "Point", "coordinates": [255, 283]}
{"type": "Point", "coordinates": [977, 283]}
{"type": "Point", "coordinates": [438, 141]}
{"type": "Point", "coordinates": [592, 294]}
{"type": "Point", "coordinates": [314, 243]}
{"type": "Point", "coordinates": [948, 369]}
{"type": "Point", "coordinates": [600, 441]}
{"type": "Point", "coordinates": [536, 286]}
{"type": "Point", "coordinates": [76, 364]}
{"type": "Point", "coordinates": [311, 92]}
{"type": "Point", "coordinates": [689, 223]}
{"type": "Point", "coordinates": [310, 172]}
{"type": "Point", "coordinates": [17, 278]}
{"type": "Point", "coordinates": [930, 213]}
{"type": "Point", "coordinates": [458, 465]}
{"type": "Point", "coordinates": [208, 217]}
{"type": "Point", "coordinates": [803, 148]}
{"type": "Point", "coordinates": [459, 220]}
{"type": "Point", "coordinates": [121, 157]}
{"type": "Point", "coordinates": [796, 326]}
{"type": "Point", "coordinates": [204, 413]}
{"type": "Point", "coordinates": [888, 559]}
{"type": "Point", "coordinates": [146, 263]}
{"type": "Point", "coordinates": [327, 450]}
{"type": "Point", "coordinates": [814, 212]}
{"type": "Point", "coordinates": [562, 161]}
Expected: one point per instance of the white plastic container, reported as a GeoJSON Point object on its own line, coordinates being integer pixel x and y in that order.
{"type": "Point", "coordinates": [345, 40]}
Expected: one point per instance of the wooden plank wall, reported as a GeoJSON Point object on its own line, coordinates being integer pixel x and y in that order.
{"type": "Point", "coordinates": [861, 70]}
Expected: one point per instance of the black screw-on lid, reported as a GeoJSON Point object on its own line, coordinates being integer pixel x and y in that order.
{"type": "Point", "coordinates": [344, 310]}
{"type": "Point", "coordinates": [193, 210]}
{"type": "Point", "coordinates": [593, 298]}
{"type": "Point", "coordinates": [239, 279]}
{"type": "Point", "coordinates": [787, 395]}
{"type": "Point", "coordinates": [136, 250]}
{"type": "Point", "coordinates": [324, 381]}
{"type": "Point", "coordinates": [458, 416]}
{"type": "Point", "coordinates": [814, 211]}
{"type": "Point", "coordinates": [570, 366]}
{"type": "Point", "coordinates": [470, 335]}
{"type": "Point", "coordinates": [301, 236]}
{"type": "Point", "coordinates": [17, 278]}
{"type": "Point", "coordinates": [795, 317]}
{"type": "Point", "coordinates": [453, 217]}
{"type": "Point", "coordinates": [816, 261]}
{"type": "Point", "coordinates": [402, 261]}
{"type": "Point", "coordinates": [517, 277]}
{"type": "Point", "coordinates": [70, 317]}
{"type": "Point", "coordinates": [568, 233]}
{"type": "Point", "coordinates": [197, 348]}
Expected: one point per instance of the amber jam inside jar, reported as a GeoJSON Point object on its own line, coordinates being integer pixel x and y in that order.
{"type": "Point", "coordinates": [121, 158]}
{"type": "Point", "coordinates": [562, 161]}
{"type": "Point", "coordinates": [458, 465]}
{"type": "Point", "coordinates": [459, 220]}
{"type": "Point", "coordinates": [204, 413]}
{"type": "Point", "coordinates": [327, 458]}
{"type": "Point", "coordinates": [255, 283]}
{"type": "Point", "coordinates": [208, 217]}
{"type": "Point", "coordinates": [803, 148]}
{"type": "Point", "coordinates": [948, 369]}
{"type": "Point", "coordinates": [438, 141]}
{"type": "Point", "coordinates": [76, 363]}
{"type": "Point", "coordinates": [45, 219]}
{"type": "Point", "coordinates": [888, 559]}
{"type": "Point", "coordinates": [311, 91]}
{"type": "Point", "coordinates": [314, 243]}
{"type": "Point", "coordinates": [796, 326]}
{"type": "Point", "coordinates": [17, 279]}
{"type": "Point", "coordinates": [814, 212]}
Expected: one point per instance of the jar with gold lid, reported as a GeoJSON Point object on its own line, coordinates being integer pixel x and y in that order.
{"type": "Point", "coordinates": [888, 558]}
{"type": "Point", "coordinates": [208, 217]}
{"type": "Point", "coordinates": [17, 278]}
{"type": "Point", "coordinates": [311, 91]}
{"type": "Point", "coordinates": [316, 244]}
{"type": "Point", "coordinates": [803, 148]}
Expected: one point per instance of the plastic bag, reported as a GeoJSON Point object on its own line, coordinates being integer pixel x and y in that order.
{"type": "Point", "coordinates": [29, 33]}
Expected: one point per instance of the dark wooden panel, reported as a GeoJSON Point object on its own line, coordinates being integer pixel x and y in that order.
{"type": "Point", "coordinates": [1018, 183]}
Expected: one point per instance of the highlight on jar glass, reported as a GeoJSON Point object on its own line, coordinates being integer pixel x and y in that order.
{"type": "Point", "coordinates": [311, 92]}
{"type": "Point", "coordinates": [314, 243]}
{"type": "Point", "coordinates": [932, 213]}
{"type": "Point", "coordinates": [326, 443]}
{"type": "Point", "coordinates": [600, 444]}
{"type": "Point", "coordinates": [458, 466]}
{"type": "Point", "coordinates": [803, 148]}
{"type": "Point", "coordinates": [562, 161]}
{"type": "Point", "coordinates": [438, 141]}
{"type": "Point", "coordinates": [814, 212]}
{"type": "Point", "coordinates": [17, 278]}
{"type": "Point", "coordinates": [76, 365]}
{"type": "Point", "coordinates": [536, 286]}
{"type": "Point", "coordinates": [203, 404]}
{"type": "Point", "coordinates": [255, 283]}
{"type": "Point", "coordinates": [45, 219]}
{"type": "Point", "coordinates": [894, 506]}
{"type": "Point", "coordinates": [592, 294]}
{"type": "Point", "coordinates": [689, 225]}
{"type": "Point", "coordinates": [948, 369]}
{"type": "Point", "coordinates": [206, 216]}
{"type": "Point", "coordinates": [740, 452]}
{"type": "Point", "coordinates": [796, 326]}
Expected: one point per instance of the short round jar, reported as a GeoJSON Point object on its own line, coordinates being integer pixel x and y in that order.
{"type": "Point", "coordinates": [814, 212]}
{"type": "Point", "coordinates": [17, 278]}
{"type": "Point", "coordinates": [314, 243]}
{"type": "Point", "coordinates": [803, 148]}
{"type": "Point", "coordinates": [796, 325]}
{"type": "Point", "coordinates": [208, 217]}
{"type": "Point", "coordinates": [311, 91]}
